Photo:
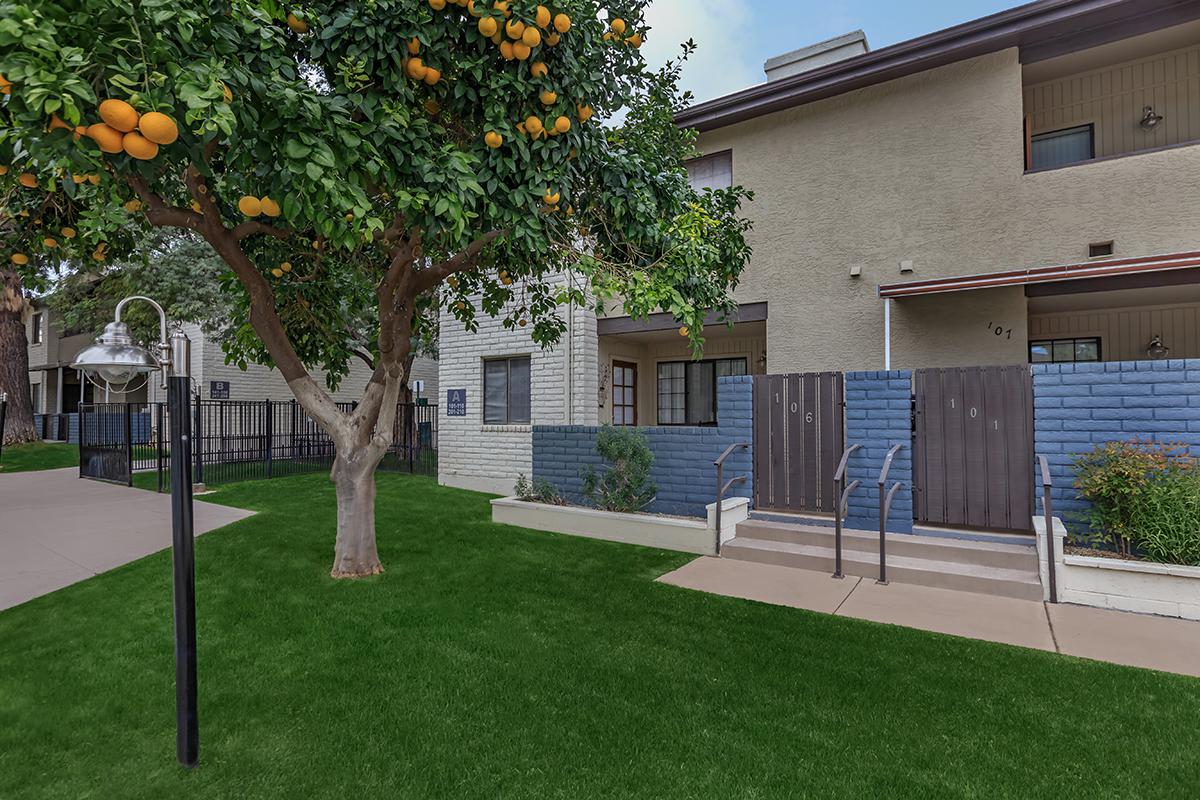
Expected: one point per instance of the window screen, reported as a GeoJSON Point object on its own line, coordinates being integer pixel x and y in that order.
{"type": "Point", "coordinates": [506, 392]}
{"type": "Point", "coordinates": [1059, 148]}
{"type": "Point", "coordinates": [36, 331]}
{"type": "Point", "coordinates": [711, 172]}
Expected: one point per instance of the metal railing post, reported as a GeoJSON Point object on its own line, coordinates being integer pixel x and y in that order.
{"type": "Point", "coordinates": [3, 415]}
{"type": "Point", "coordinates": [1048, 512]}
{"type": "Point", "coordinates": [841, 492]}
{"type": "Point", "coordinates": [885, 504]}
{"type": "Point", "coordinates": [270, 435]}
{"type": "Point", "coordinates": [129, 444]}
{"type": "Point", "coordinates": [197, 440]}
{"type": "Point", "coordinates": [158, 412]}
{"type": "Point", "coordinates": [722, 487]}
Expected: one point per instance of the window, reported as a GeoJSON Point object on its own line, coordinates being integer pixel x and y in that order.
{"type": "Point", "coordinates": [1064, 350]}
{"type": "Point", "coordinates": [506, 391]}
{"type": "Point", "coordinates": [624, 393]}
{"type": "Point", "coordinates": [35, 397]}
{"type": "Point", "coordinates": [687, 390]}
{"type": "Point", "coordinates": [35, 336]}
{"type": "Point", "coordinates": [1062, 147]}
{"type": "Point", "coordinates": [711, 172]}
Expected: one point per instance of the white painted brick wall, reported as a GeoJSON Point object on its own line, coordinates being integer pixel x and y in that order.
{"type": "Point", "coordinates": [488, 458]}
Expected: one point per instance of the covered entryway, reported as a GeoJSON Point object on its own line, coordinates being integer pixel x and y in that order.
{"type": "Point", "coordinates": [973, 447]}
{"type": "Point", "coordinates": [798, 440]}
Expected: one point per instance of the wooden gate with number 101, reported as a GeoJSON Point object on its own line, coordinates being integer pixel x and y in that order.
{"type": "Point", "coordinates": [798, 440]}
{"type": "Point", "coordinates": [973, 447]}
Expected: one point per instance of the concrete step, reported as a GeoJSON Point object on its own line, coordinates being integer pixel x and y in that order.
{"type": "Point", "coordinates": [935, 548]}
{"type": "Point", "coordinates": [923, 571]}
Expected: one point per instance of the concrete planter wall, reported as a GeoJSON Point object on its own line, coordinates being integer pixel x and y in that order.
{"type": "Point", "coordinates": [1170, 590]}
{"type": "Point", "coordinates": [668, 533]}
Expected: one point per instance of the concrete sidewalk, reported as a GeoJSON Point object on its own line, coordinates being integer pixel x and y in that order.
{"type": "Point", "coordinates": [56, 529]}
{"type": "Point", "coordinates": [1139, 640]}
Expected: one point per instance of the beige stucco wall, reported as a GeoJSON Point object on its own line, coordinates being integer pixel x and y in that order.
{"type": "Point", "coordinates": [928, 168]}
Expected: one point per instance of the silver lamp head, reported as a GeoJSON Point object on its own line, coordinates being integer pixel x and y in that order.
{"type": "Point", "coordinates": [115, 358]}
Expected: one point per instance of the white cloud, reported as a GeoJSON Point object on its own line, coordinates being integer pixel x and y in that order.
{"type": "Point", "coordinates": [722, 62]}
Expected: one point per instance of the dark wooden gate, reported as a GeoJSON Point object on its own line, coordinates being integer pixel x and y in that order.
{"type": "Point", "coordinates": [798, 440]}
{"type": "Point", "coordinates": [973, 447]}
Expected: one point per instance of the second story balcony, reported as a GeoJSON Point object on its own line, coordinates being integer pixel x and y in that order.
{"type": "Point", "coordinates": [1123, 98]}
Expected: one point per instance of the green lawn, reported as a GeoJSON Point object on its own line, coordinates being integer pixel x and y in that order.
{"type": "Point", "coordinates": [38, 455]}
{"type": "Point", "coordinates": [492, 662]}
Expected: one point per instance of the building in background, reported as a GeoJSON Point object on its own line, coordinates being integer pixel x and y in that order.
{"type": "Point", "coordinates": [1020, 188]}
{"type": "Point", "coordinates": [57, 389]}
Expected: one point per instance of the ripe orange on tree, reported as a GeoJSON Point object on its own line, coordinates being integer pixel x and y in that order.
{"type": "Point", "coordinates": [493, 139]}
{"type": "Point", "coordinates": [28, 180]}
{"type": "Point", "coordinates": [548, 98]}
{"type": "Point", "coordinates": [532, 37]}
{"type": "Point", "coordinates": [562, 124]}
{"type": "Point", "coordinates": [538, 69]}
{"type": "Point", "coordinates": [521, 51]}
{"type": "Point", "coordinates": [488, 27]}
{"type": "Point", "coordinates": [118, 115]}
{"type": "Point", "coordinates": [250, 205]}
{"type": "Point", "coordinates": [269, 207]}
{"type": "Point", "coordinates": [296, 24]}
{"type": "Point", "coordinates": [617, 25]}
{"type": "Point", "coordinates": [139, 146]}
{"type": "Point", "coordinates": [562, 23]}
{"type": "Point", "coordinates": [158, 127]}
{"type": "Point", "coordinates": [108, 139]}
{"type": "Point", "coordinates": [514, 28]}
{"type": "Point", "coordinates": [542, 16]}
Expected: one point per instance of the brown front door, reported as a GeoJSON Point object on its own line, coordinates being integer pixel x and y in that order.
{"type": "Point", "coordinates": [624, 393]}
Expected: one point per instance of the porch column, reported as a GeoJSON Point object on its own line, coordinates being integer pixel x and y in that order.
{"type": "Point", "coordinates": [58, 400]}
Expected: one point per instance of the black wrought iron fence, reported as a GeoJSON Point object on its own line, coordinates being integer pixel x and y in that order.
{"type": "Point", "coordinates": [235, 440]}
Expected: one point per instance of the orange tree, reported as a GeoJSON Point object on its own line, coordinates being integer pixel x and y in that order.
{"type": "Point", "coordinates": [354, 164]}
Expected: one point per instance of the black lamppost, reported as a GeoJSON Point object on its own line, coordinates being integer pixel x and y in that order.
{"type": "Point", "coordinates": [116, 359]}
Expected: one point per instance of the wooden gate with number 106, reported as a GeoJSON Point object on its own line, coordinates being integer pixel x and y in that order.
{"type": "Point", "coordinates": [798, 440]}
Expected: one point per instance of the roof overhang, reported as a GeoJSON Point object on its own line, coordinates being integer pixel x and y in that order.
{"type": "Point", "coordinates": [1089, 270]}
{"type": "Point", "coordinates": [1042, 30]}
{"type": "Point", "coordinates": [608, 326]}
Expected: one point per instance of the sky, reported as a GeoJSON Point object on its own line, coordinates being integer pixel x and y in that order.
{"type": "Point", "coordinates": [735, 37]}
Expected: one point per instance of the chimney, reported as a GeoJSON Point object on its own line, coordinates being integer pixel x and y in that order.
{"type": "Point", "coordinates": [816, 55]}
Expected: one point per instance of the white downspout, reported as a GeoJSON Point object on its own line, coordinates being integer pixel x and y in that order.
{"type": "Point", "coordinates": [887, 333]}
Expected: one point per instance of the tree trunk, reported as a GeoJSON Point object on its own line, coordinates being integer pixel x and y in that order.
{"type": "Point", "coordinates": [14, 362]}
{"type": "Point", "coordinates": [355, 554]}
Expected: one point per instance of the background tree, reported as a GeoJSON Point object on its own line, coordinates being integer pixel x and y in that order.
{"type": "Point", "coordinates": [14, 358]}
{"type": "Point", "coordinates": [390, 153]}
{"type": "Point", "coordinates": [176, 268]}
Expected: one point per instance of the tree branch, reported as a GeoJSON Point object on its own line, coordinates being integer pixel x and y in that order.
{"type": "Point", "coordinates": [253, 226]}
{"type": "Point", "coordinates": [426, 279]}
{"type": "Point", "coordinates": [158, 212]}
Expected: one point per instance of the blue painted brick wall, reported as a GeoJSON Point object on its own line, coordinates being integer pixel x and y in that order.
{"type": "Point", "coordinates": [1077, 406]}
{"type": "Point", "coordinates": [879, 415]}
{"type": "Point", "coordinates": [683, 456]}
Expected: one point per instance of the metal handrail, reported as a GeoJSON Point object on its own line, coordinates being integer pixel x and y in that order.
{"type": "Point", "coordinates": [885, 505]}
{"type": "Point", "coordinates": [723, 487]}
{"type": "Point", "coordinates": [843, 493]}
{"type": "Point", "coordinates": [1047, 510]}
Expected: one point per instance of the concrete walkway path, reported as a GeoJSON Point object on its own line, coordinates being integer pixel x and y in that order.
{"type": "Point", "coordinates": [1139, 640]}
{"type": "Point", "coordinates": [56, 529]}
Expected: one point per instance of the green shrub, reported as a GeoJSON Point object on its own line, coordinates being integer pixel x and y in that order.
{"type": "Point", "coordinates": [539, 491]}
{"type": "Point", "coordinates": [1144, 496]}
{"type": "Point", "coordinates": [625, 484]}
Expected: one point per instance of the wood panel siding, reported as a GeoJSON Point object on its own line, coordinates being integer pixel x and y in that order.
{"type": "Point", "coordinates": [1113, 98]}
{"type": "Point", "coordinates": [1125, 332]}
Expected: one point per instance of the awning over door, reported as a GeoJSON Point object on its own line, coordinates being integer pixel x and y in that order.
{"type": "Point", "coordinates": [1120, 268]}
